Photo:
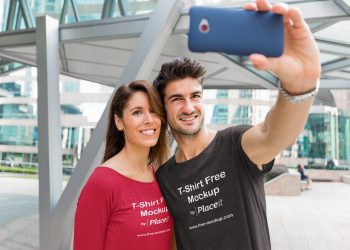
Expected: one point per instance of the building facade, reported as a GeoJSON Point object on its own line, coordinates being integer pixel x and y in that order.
{"type": "Point", "coordinates": [326, 135]}
{"type": "Point", "coordinates": [82, 104]}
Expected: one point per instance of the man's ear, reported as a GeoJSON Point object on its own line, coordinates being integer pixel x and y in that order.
{"type": "Point", "coordinates": [118, 123]}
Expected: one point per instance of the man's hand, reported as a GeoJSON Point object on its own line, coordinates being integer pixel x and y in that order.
{"type": "Point", "coordinates": [299, 66]}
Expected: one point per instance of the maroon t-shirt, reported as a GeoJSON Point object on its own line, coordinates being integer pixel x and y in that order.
{"type": "Point", "coordinates": [115, 212]}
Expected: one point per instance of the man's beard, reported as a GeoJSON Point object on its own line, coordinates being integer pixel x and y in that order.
{"type": "Point", "coordinates": [179, 131]}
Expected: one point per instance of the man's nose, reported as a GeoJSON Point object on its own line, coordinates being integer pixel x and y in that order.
{"type": "Point", "coordinates": [188, 107]}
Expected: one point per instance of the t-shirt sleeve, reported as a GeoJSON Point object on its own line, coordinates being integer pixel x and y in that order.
{"type": "Point", "coordinates": [92, 214]}
{"type": "Point", "coordinates": [237, 133]}
{"type": "Point", "coordinates": [161, 178]}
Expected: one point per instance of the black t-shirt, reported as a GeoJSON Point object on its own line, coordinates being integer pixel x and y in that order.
{"type": "Point", "coordinates": [217, 198]}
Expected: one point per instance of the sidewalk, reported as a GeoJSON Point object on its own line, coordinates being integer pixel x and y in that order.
{"type": "Point", "coordinates": [19, 223]}
{"type": "Point", "coordinates": [20, 234]}
{"type": "Point", "coordinates": [319, 219]}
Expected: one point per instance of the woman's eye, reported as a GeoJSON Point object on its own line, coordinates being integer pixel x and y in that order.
{"type": "Point", "coordinates": [137, 112]}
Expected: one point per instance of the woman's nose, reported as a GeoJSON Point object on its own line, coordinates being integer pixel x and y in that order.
{"type": "Point", "coordinates": [148, 117]}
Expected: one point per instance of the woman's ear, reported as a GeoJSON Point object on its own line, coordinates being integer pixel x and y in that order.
{"type": "Point", "coordinates": [118, 123]}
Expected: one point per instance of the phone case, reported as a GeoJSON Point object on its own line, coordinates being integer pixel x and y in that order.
{"type": "Point", "coordinates": [235, 31]}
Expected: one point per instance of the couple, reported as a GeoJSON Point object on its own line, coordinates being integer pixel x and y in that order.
{"type": "Point", "coordinates": [210, 194]}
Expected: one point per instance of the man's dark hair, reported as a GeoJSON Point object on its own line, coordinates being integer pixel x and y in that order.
{"type": "Point", "coordinates": [178, 69]}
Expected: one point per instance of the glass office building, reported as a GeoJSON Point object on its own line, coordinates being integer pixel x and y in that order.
{"type": "Point", "coordinates": [325, 136]}
{"type": "Point", "coordinates": [81, 105]}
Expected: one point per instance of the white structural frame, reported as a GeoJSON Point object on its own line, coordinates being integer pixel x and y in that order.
{"type": "Point", "coordinates": [328, 13]}
{"type": "Point", "coordinates": [56, 209]}
{"type": "Point", "coordinates": [49, 124]}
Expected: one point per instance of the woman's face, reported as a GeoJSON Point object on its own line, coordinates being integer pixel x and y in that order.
{"type": "Point", "coordinates": [140, 124]}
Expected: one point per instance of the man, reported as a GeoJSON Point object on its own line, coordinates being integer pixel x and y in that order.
{"type": "Point", "coordinates": [213, 185]}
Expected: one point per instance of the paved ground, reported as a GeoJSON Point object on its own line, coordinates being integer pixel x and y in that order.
{"type": "Point", "coordinates": [19, 224]}
{"type": "Point", "coordinates": [319, 219]}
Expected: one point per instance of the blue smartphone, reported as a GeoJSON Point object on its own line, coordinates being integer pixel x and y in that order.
{"type": "Point", "coordinates": [235, 31]}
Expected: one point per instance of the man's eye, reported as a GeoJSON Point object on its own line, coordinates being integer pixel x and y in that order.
{"type": "Point", "coordinates": [197, 96]}
{"type": "Point", "coordinates": [175, 99]}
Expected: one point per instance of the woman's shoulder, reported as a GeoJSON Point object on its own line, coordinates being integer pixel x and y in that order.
{"type": "Point", "coordinates": [102, 171]}
{"type": "Point", "coordinates": [102, 178]}
{"type": "Point", "coordinates": [99, 187]}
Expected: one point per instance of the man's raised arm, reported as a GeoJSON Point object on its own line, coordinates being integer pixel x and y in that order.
{"type": "Point", "coordinates": [299, 70]}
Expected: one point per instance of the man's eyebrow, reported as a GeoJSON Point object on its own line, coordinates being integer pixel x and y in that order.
{"type": "Point", "coordinates": [196, 92]}
{"type": "Point", "coordinates": [174, 95]}
{"type": "Point", "coordinates": [179, 95]}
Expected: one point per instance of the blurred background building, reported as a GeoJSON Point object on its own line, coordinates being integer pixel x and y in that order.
{"type": "Point", "coordinates": [326, 135]}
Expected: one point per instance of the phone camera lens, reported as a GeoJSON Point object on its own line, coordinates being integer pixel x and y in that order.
{"type": "Point", "coordinates": [204, 26]}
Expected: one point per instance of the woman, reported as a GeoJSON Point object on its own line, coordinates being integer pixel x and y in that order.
{"type": "Point", "coordinates": [303, 176]}
{"type": "Point", "coordinates": [121, 206]}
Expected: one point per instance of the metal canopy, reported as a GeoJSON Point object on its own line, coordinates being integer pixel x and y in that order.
{"type": "Point", "coordinates": [98, 51]}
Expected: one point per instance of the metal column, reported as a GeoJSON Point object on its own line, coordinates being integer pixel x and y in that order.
{"type": "Point", "coordinates": [49, 127]}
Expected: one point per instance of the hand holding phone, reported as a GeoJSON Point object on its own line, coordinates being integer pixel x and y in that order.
{"type": "Point", "coordinates": [235, 31]}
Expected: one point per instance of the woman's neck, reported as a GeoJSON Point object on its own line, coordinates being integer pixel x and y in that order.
{"type": "Point", "coordinates": [137, 157]}
{"type": "Point", "coordinates": [133, 163]}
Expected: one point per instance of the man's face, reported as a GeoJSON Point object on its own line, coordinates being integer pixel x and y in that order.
{"type": "Point", "coordinates": [184, 106]}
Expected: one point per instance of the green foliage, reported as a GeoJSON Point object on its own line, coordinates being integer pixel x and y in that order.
{"type": "Point", "coordinates": [18, 170]}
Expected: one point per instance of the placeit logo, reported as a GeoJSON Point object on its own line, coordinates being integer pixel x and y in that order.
{"type": "Point", "coordinates": [204, 26]}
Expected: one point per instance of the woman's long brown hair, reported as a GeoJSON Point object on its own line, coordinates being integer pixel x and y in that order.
{"type": "Point", "coordinates": [115, 140]}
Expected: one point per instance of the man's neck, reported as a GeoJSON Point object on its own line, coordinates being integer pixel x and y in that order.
{"type": "Point", "coordinates": [191, 146]}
